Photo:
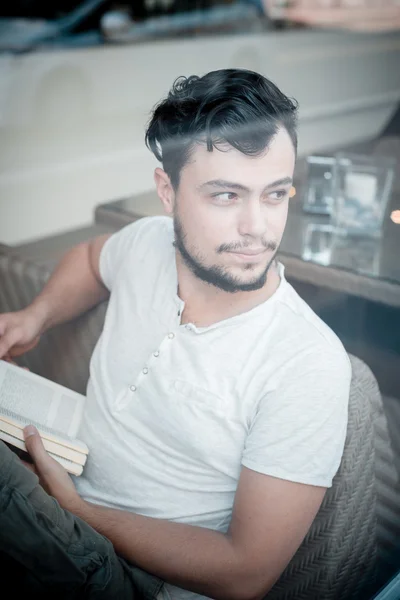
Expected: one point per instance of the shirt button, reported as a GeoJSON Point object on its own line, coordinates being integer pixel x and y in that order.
{"type": "Point", "coordinates": [132, 388]}
{"type": "Point", "coordinates": [171, 335]}
{"type": "Point", "coordinates": [156, 353]}
{"type": "Point", "coordinates": [145, 370]}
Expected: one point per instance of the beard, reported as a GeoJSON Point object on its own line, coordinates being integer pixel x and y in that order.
{"type": "Point", "coordinates": [217, 275]}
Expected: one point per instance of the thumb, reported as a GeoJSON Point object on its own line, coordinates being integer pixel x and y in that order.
{"type": "Point", "coordinates": [36, 450]}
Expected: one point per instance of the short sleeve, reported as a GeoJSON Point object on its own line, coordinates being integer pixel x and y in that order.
{"type": "Point", "coordinates": [117, 248]}
{"type": "Point", "coordinates": [299, 429]}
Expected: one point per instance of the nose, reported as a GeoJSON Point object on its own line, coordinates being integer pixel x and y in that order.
{"type": "Point", "coordinates": [252, 220]}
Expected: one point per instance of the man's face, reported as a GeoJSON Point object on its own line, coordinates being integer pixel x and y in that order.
{"type": "Point", "coordinates": [230, 212]}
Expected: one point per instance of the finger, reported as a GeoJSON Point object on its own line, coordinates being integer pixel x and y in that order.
{"type": "Point", "coordinates": [4, 346]}
{"type": "Point", "coordinates": [3, 323]}
{"type": "Point", "coordinates": [2, 328]}
{"type": "Point", "coordinates": [36, 450]}
{"type": "Point", "coordinates": [6, 341]}
{"type": "Point", "coordinates": [19, 349]}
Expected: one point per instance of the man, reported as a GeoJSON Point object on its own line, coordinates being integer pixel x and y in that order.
{"type": "Point", "coordinates": [217, 403]}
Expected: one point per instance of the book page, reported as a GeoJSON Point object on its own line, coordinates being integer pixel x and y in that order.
{"type": "Point", "coordinates": [33, 399]}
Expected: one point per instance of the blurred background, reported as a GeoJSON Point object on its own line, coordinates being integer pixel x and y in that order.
{"type": "Point", "coordinates": [78, 81]}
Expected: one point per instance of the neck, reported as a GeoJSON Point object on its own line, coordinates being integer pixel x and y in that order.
{"type": "Point", "coordinates": [206, 304]}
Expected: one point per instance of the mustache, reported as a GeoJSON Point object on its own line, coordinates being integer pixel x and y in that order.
{"type": "Point", "coordinates": [237, 246]}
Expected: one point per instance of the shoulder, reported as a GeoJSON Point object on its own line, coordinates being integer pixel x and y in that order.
{"type": "Point", "coordinates": [299, 350]}
{"type": "Point", "coordinates": [149, 237]}
{"type": "Point", "coordinates": [143, 243]}
{"type": "Point", "coordinates": [308, 333]}
{"type": "Point", "coordinates": [147, 228]}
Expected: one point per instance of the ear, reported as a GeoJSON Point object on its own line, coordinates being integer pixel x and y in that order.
{"type": "Point", "coordinates": [165, 190]}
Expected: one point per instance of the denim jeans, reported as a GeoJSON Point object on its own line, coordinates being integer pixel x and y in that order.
{"type": "Point", "coordinates": [48, 552]}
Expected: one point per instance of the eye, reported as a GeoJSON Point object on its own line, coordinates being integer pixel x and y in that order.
{"type": "Point", "coordinates": [278, 195]}
{"type": "Point", "coordinates": [224, 197]}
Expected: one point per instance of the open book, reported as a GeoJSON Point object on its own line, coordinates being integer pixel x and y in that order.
{"type": "Point", "coordinates": [56, 411]}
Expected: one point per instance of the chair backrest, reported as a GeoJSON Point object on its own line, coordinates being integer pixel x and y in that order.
{"type": "Point", "coordinates": [339, 557]}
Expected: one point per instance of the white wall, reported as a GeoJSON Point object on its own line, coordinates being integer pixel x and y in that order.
{"type": "Point", "coordinates": [72, 121]}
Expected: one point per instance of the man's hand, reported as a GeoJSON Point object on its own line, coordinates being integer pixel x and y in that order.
{"type": "Point", "coordinates": [53, 477]}
{"type": "Point", "coordinates": [19, 332]}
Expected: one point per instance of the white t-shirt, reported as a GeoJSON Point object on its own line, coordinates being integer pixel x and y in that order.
{"type": "Point", "coordinates": [173, 411]}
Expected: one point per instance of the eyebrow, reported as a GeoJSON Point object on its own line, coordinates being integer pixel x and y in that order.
{"type": "Point", "coordinates": [222, 183]}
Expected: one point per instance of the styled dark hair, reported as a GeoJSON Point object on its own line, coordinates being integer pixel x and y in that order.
{"type": "Point", "coordinates": [234, 106]}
